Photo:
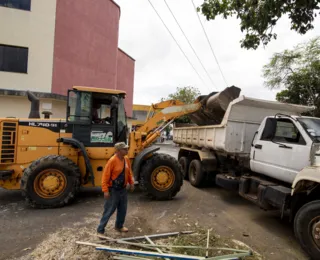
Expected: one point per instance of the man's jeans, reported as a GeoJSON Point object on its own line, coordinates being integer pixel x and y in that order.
{"type": "Point", "coordinates": [118, 200]}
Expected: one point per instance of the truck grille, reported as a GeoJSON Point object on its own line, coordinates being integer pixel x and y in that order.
{"type": "Point", "coordinates": [8, 142]}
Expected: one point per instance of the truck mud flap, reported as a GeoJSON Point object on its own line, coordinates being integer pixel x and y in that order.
{"type": "Point", "coordinates": [228, 182]}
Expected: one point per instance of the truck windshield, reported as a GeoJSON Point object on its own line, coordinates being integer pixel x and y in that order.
{"type": "Point", "coordinates": [312, 126]}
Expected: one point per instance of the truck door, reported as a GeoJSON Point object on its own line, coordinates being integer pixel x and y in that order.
{"type": "Point", "coordinates": [280, 150]}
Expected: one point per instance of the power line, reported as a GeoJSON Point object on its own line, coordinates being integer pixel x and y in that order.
{"type": "Point", "coordinates": [209, 43]}
{"type": "Point", "coordinates": [177, 43]}
{"type": "Point", "coordinates": [190, 44]}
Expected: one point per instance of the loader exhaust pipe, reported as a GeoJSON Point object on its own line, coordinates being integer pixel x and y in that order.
{"type": "Point", "coordinates": [35, 104]}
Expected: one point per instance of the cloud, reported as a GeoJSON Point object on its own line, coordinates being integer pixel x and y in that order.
{"type": "Point", "coordinates": [161, 67]}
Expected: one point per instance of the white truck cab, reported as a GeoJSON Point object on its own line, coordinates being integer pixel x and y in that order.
{"type": "Point", "coordinates": [283, 145]}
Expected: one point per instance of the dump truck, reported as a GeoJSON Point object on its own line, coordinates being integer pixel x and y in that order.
{"type": "Point", "coordinates": [266, 151]}
{"type": "Point", "coordinates": [49, 160]}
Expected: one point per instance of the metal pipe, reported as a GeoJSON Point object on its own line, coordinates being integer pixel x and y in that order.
{"type": "Point", "coordinates": [150, 254]}
{"type": "Point", "coordinates": [207, 252]}
{"type": "Point", "coordinates": [158, 235]}
{"type": "Point", "coordinates": [151, 242]}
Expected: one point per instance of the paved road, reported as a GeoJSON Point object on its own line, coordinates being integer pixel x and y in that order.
{"type": "Point", "coordinates": [228, 214]}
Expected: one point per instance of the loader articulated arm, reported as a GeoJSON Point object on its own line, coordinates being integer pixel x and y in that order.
{"type": "Point", "coordinates": [158, 119]}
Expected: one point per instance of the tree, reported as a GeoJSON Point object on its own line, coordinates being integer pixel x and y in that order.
{"type": "Point", "coordinates": [258, 17]}
{"type": "Point", "coordinates": [187, 95]}
{"type": "Point", "coordinates": [298, 71]}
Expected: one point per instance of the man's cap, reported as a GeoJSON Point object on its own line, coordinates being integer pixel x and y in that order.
{"type": "Point", "coordinates": [120, 146]}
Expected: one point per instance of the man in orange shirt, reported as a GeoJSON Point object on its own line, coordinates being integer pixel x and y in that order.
{"type": "Point", "coordinates": [115, 177]}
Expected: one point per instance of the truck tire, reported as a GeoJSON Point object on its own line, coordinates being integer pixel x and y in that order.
{"type": "Point", "coordinates": [306, 221]}
{"type": "Point", "coordinates": [162, 176]}
{"type": "Point", "coordinates": [185, 162]}
{"type": "Point", "coordinates": [196, 173]}
{"type": "Point", "coordinates": [50, 182]}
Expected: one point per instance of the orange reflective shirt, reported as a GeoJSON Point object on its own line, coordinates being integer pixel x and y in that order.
{"type": "Point", "coordinates": [112, 170]}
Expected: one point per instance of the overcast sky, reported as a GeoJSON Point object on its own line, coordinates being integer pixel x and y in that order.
{"type": "Point", "coordinates": [161, 66]}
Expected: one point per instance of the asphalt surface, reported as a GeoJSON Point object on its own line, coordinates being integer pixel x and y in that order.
{"type": "Point", "coordinates": [22, 228]}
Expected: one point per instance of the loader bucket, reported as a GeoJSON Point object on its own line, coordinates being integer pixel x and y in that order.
{"type": "Point", "coordinates": [214, 106]}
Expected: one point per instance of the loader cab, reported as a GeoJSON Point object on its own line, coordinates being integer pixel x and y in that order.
{"type": "Point", "coordinates": [97, 116]}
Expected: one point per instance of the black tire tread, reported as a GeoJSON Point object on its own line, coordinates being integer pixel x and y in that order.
{"type": "Point", "coordinates": [200, 175]}
{"type": "Point", "coordinates": [149, 166]}
{"type": "Point", "coordinates": [186, 162]}
{"type": "Point", "coordinates": [306, 212]}
{"type": "Point", "coordinates": [65, 162]}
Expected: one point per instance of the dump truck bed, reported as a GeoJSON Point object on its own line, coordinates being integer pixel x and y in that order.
{"type": "Point", "coordinates": [236, 131]}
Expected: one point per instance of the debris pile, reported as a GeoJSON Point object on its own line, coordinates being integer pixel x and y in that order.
{"type": "Point", "coordinates": [81, 242]}
{"type": "Point", "coordinates": [176, 245]}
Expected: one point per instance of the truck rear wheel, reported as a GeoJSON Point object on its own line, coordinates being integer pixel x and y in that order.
{"type": "Point", "coordinates": [162, 176]}
{"type": "Point", "coordinates": [307, 228]}
{"type": "Point", "coordinates": [51, 181]}
{"type": "Point", "coordinates": [185, 162]}
{"type": "Point", "coordinates": [196, 173]}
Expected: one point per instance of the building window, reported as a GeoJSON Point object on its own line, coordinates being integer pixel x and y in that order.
{"type": "Point", "coordinates": [18, 4]}
{"type": "Point", "coordinates": [13, 58]}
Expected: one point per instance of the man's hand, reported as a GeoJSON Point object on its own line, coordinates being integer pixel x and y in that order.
{"type": "Point", "coordinates": [132, 187]}
{"type": "Point", "coordinates": [106, 195]}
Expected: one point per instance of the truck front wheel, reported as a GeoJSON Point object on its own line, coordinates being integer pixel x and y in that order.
{"type": "Point", "coordinates": [196, 173]}
{"type": "Point", "coordinates": [162, 176]}
{"type": "Point", "coordinates": [307, 228]}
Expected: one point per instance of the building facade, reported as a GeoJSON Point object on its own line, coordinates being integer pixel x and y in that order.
{"type": "Point", "coordinates": [48, 46]}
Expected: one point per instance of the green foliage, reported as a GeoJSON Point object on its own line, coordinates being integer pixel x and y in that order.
{"type": "Point", "coordinates": [187, 95]}
{"type": "Point", "coordinates": [258, 17]}
{"type": "Point", "coordinates": [298, 71]}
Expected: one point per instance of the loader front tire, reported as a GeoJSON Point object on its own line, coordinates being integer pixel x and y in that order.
{"type": "Point", "coordinates": [162, 176]}
{"type": "Point", "coordinates": [50, 182]}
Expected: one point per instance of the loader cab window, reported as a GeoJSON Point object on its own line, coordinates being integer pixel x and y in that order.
{"type": "Point", "coordinates": [101, 113]}
{"type": "Point", "coordinates": [79, 107]}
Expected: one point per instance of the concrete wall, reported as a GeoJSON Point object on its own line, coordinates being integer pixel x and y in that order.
{"type": "Point", "coordinates": [86, 44]}
{"type": "Point", "coordinates": [20, 107]}
{"type": "Point", "coordinates": [125, 78]}
{"type": "Point", "coordinates": [33, 29]}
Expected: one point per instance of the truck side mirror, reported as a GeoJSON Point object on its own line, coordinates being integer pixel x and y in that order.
{"type": "Point", "coordinates": [269, 130]}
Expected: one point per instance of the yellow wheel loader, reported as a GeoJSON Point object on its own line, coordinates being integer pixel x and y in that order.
{"type": "Point", "coordinates": [50, 159]}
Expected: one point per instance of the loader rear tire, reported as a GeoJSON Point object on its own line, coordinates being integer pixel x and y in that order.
{"type": "Point", "coordinates": [162, 176]}
{"type": "Point", "coordinates": [185, 162]}
{"type": "Point", "coordinates": [50, 182]}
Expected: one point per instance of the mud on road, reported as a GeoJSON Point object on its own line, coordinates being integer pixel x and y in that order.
{"type": "Point", "coordinates": [22, 229]}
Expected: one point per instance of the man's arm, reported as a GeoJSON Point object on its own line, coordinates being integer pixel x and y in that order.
{"type": "Point", "coordinates": [106, 175]}
{"type": "Point", "coordinates": [131, 178]}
